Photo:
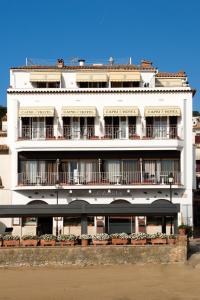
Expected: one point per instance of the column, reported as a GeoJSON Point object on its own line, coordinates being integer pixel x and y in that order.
{"type": "Point", "coordinates": [84, 224]}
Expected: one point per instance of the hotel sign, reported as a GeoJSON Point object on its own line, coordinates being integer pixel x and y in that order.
{"type": "Point", "coordinates": [154, 111]}
{"type": "Point", "coordinates": [36, 111]}
{"type": "Point", "coordinates": [120, 111]}
{"type": "Point", "coordinates": [79, 111]}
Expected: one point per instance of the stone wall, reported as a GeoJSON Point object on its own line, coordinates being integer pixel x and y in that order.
{"type": "Point", "coordinates": [86, 256]}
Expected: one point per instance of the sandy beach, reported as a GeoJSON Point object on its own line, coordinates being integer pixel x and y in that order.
{"type": "Point", "coordinates": [165, 282]}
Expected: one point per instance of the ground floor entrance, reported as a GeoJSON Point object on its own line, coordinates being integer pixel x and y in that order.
{"type": "Point", "coordinates": [44, 225]}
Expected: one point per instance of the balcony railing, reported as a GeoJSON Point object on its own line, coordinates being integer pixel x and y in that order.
{"type": "Point", "coordinates": [162, 132]}
{"type": "Point", "coordinates": [117, 132]}
{"type": "Point", "coordinates": [73, 133]}
{"type": "Point", "coordinates": [36, 133]}
{"type": "Point", "coordinates": [97, 178]}
{"type": "Point", "coordinates": [88, 132]}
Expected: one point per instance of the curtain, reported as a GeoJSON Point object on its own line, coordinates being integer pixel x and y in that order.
{"type": "Point", "coordinates": [112, 170]}
{"type": "Point", "coordinates": [131, 171]}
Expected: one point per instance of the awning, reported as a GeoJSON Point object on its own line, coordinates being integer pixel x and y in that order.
{"type": "Point", "coordinates": [45, 77]}
{"type": "Point", "coordinates": [154, 111]}
{"type": "Point", "coordinates": [125, 76]}
{"type": "Point", "coordinates": [120, 111]}
{"type": "Point", "coordinates": [78, 111]}
{"type": "Point", "coordinates": [91, 77]}
{"type": "Point", "coordinates": [39, 111]}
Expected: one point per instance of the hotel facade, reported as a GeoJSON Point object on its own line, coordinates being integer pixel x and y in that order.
{"type": "Point", "coordinates": [95, 145]}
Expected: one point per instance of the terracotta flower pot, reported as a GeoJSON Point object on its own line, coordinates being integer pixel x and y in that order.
{"type": "Point", "coordinates": [68, 243]}
{"type": "Point", "coordinates": [84, 243]}
{"type": "Point", "coordinates": [29, 243]}
{"type": "Point", "coordinates": [11, 243]}
{"type": "Point", "coordinates": [119, 241]}
{"type": "Point", "coordinates": [44, 243]}
{"type": "Point", "coordinates": [182, 231]}
{"type": "Point", "coordinates": [101, 243]}
{"type": "Point", "coordinates": [158, 241]}
{"type": "Point", "coordinates": [171, 241]}
{"type": "Point", "coordinates": [139, 242]}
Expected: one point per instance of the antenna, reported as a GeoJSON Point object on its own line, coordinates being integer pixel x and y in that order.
{"type": "Point", "coordinates": [73, 60]}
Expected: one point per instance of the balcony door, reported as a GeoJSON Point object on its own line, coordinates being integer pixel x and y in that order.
{"type": "Point", "coordinates": [160, 127]}
{"type": "Point", "coordinates": [38, 128]}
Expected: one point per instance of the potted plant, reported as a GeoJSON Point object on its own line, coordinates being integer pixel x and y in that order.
{"type": "Point", "coordinates": [29, 240]}
{"type": "Point", "coordinates": [139, 238]}
{"type": "Point", "coordinates": [47, 240]}
{"type": "Point", "coordinates": [119, 238]}
{"type": "Point", "coordinates": [171, 239]}
{"type": "Point", "coordinates": [67, 239]}
{"type": "Point", "coordinates": [100, 239]}
{"type": "Point", "coordinates": [84, 239]}
{"type": "Point", "coordinates": [11, 240]}
{"type": "Point", "coordinates": [158, 238]}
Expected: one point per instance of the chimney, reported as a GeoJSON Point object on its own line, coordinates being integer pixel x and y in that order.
{"type": "Point", "coordinates": [81, 62]}
{"type": "Point", "coordinates": [60, 63]}
{"type": "Point", "coordinates": [146, 64]}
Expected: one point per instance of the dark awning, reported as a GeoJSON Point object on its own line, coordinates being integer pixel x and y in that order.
{"type": "Point", "coordinates": [161, 208]}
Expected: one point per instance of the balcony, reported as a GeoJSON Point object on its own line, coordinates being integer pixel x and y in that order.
{"type": "Point", "coordinates": [97, 178]}
{"type": "Point", "coordinates": [109, 133]}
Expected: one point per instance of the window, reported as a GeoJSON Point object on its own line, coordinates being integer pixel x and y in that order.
{"type": "Point", "coordinates": [42, 85]}
{"type": "Point", "coordinates": [92, 84]}
{"type": "Point", "coordinates": [72, 221]}
{"type": "Point", "coordinates": [124, 84]}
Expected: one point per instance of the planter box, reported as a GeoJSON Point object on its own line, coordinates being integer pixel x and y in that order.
{"type": "Point", "coordinates": [29, 243]}
{"type": "Point", "coordinates": [84, 243]}
{"type": "Point", "coordinates": [11, 243]}
{"type": "Point", "coordinates": [100, 243]}
{"type": "Point", "coordinates": [44, 243]}
{"type": "Point", "coordinates": [158, 241]}
{"type": "Point", "coordinates": [139, 242]}
{"type": "Point", "coordinates": [119, 241]}
{"type": "Point", "coordinates": [171, 241]}
{"type": "Point", "coordinates": [67, 243]}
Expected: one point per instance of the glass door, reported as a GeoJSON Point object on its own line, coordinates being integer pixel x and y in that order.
{"type": "Point", "coordinates": [75, 128]}
{"type": "Point", "coordinates": [38, 128]}
{"type": "Point", "coordinates": [160, 127]}
{"type": "Point", "coordinates": [123, 132]}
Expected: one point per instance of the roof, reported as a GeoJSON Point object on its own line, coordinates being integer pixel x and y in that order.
{"type": "Point", "coordinates": [171, 74]}
{"type": "Point", "coordinates": [87, 67]}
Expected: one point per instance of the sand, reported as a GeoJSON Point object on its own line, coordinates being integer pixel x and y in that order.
{"type": "Point", "coordinates": [171, 282]}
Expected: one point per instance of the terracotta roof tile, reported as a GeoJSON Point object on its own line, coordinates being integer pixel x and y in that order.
{"type": "Point", "coordinates": [171, 74]}
{"type": "Point", "coordinates": [87, 67]}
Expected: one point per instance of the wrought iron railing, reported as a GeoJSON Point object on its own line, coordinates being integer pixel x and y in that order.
{"type": "Point", "coordinates": [97, 178]}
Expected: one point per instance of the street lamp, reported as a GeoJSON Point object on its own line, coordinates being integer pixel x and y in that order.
{"type": "Point", "coordinates": [170, 180]}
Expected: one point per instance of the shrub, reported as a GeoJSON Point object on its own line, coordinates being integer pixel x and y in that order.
{"type": "Point", "coordinates": [29, 237]}
{"type": "Point", "coordinates": [101, 237]}
{"type": "Point", "coordinates": [48, 237]}
{"type": "Point", "coordinates": [8, 237]}
{"type": "Point", "coordinates": [122, 236]}
{"type": "Point", "coordinates": [85, 237]}
{"type": "Point", "coordinates": [138, 236]}
{"type": "Point", "coordinates": [67, 237]}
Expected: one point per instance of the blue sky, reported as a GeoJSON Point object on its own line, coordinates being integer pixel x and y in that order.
{"type": "Point", "coordinates": [166, 32]}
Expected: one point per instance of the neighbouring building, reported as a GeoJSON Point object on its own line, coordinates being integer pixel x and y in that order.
{"type": "Point", "coordinates": [95, 145]}
{"type": "Point", "coordinates": [5, 174]}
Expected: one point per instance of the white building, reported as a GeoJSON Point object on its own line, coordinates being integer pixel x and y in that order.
{"type": "Point", "coordinates": [104, 137]}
